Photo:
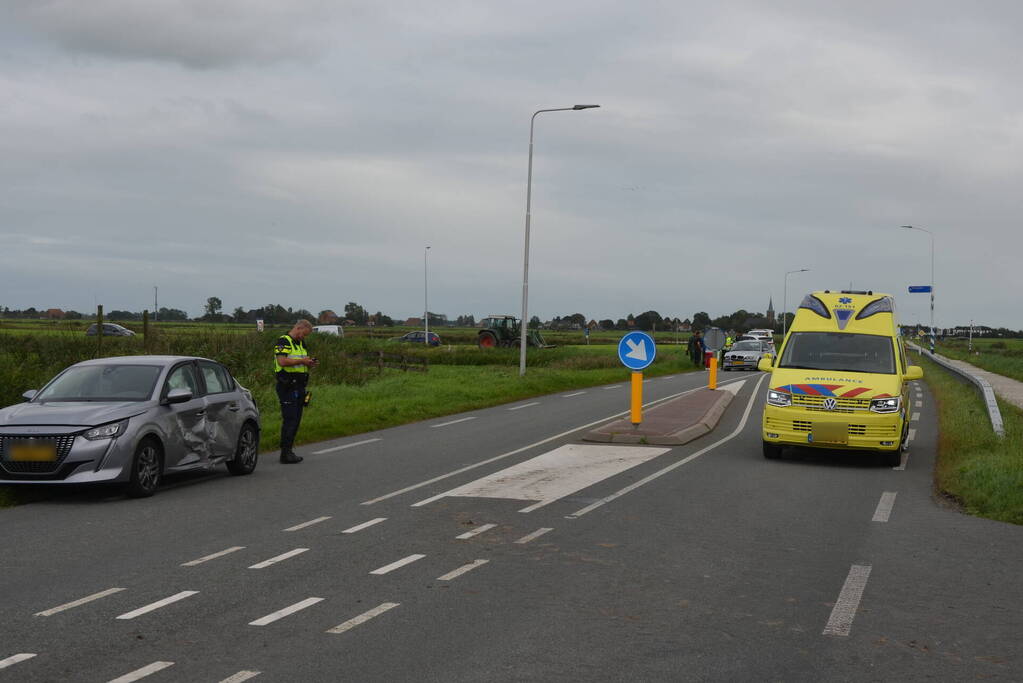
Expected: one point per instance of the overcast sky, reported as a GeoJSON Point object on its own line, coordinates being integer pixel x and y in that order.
{"type": "Point", "coordinates": [305, 153]}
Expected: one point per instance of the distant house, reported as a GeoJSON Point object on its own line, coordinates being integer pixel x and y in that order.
{"type": "Point", "coordinates": [686, 326]}
{"type": "Point", "coordinates": [414, 322]}
{"type": "Point", "coordinates": [55, 314]}
{"type": "Point", "coordinates": [593, 325]}
{"type": "Point", "coordinates": [327, 317]}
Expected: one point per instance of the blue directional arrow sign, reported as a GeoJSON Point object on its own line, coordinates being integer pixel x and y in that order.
{"type": "Point", "coordinates": [919, 289]}
{"type": "Point", "coordinates": [637, 350]}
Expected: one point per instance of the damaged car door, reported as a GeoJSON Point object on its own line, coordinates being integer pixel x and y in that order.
{"type": "Point", "coordinates": [186, 423]}
{"type": "Point", "coordinates": [223, 408]}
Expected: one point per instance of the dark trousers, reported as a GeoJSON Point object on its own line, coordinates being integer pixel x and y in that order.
{"type": "Point", "coordinates": [291, 394]}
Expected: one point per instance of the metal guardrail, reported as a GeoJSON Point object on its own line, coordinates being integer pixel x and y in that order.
{"type": "Point", "coordinates": [986, 392]}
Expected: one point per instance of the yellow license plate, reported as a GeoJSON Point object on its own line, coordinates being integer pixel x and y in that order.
{"type": "Point", "coordinates": [22, 452]}
{"type": "Point", "coordinates": [830, 432]}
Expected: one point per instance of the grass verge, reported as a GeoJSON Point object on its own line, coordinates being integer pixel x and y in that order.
{"type": "Point", "coordinates": [983, 473]}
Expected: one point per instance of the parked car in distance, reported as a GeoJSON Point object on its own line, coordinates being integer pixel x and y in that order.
{"type": "Point", "coordinates": [130, 420]}
{"type": "Point", "coordinates": [110, 330]}
{"type": "Point", "coordinates": [745, 354]}
{"type": "Point", "coordinates": [335, 330]}
{"type": "Point", "coordinates": [418, 337]}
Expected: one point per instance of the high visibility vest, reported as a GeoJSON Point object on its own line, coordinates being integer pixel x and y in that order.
{"type": "Point", "coordinates": [292, 349]}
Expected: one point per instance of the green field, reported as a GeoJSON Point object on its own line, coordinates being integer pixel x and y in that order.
{"type": "Point", "coordinates": [982, 473]}
{"type": "Point", "coordinates": [351, 394]}
{"type": "Point", "coordinates": [1004, 356]}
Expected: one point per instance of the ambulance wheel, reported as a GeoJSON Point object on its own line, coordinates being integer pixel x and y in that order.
{"type": "Point", "coordinates": [772, 451]}
{"type": "Point", "coordinates": [891, 458]}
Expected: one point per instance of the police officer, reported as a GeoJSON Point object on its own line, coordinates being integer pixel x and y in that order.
{"type": "Point", "coordinates": [291, 366]}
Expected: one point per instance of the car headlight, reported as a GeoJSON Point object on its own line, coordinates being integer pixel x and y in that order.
{"type": "Point", "coordinates": [779, 398]}
{"type": "Point", "coordinates": [886, 405]}
{"type": "Point", "coordinates": [106, 431]}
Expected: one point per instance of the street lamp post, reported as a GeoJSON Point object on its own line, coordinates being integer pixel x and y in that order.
{"type": "Point", "coordinates": [525, 259]}
{"type": "Point", "coordinates": [931, 234]}
{"type": "Point", "coordinates": [785, 301]}
{"type": "Point", "coordinates": [426, 300]}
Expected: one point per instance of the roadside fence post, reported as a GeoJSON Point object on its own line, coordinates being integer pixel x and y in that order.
{"type": "Point", "coordinates": [99, 330]}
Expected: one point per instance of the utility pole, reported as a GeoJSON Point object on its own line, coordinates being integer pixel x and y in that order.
{"type": "Point", "coordinates": [156, 307]}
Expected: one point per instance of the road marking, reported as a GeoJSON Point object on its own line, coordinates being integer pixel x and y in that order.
{"type": "Point", "coordinates": [554, 474]}
{"type": "Point", "coordinates": [14, 659]}
{"type": "Point", "coordinates": [536, 534]}
{"type": "Point", "coordinates": [647, 381]}
{"type": "Point", "coordinates": [240, 676]}
{"type": "Point", "coordinates": [452, 422]}
{"type": "Point", "coordinates": [360, 527]}
{"type": "Point", "coordinates": [157, 605]}
{"type": "Point", "coordinates": [347, 445]}
{"type": "Point", "coordinates": [844, 611]}
{"type": "Point", "coordinates": [884, 507]}
{"type": "Point", "coordinates": [646, 480]}
{"type": "Point", "coordinates": [916, 416]}
{"type": "Point", "coordinates": [669, 377]}
{"type": "Point", "coordinates": [397, 565]}
{"type": "Point", "coordinates": [525, 405]}
{"type": "Point", "coordinates": [303, 525]}
{"type": "Point", "coordinates": [214, 556]}
{"type": "Point", "coordinates": [143, 672]}
{"type": "Point", "coordinates": [911, 436]}
{"type": "Point", "coordinates": [364, 617]}
{"type": "Point", "coordinates": [453, 473]}
{"type": "Point", "coordinates": [281, 613]}
{"type": "Point", "coordinates": [616, 386]}
{"type": "Point", "coordinates": [76, 603]}
{"type": "Point", "coordinates": [475, 532]}
{"type": "Point", "coordinates": [461, 570]}
{"type": "Point", "coordinates": [578, 393]}
{"type": "Point", "coordinates": [918, 404]}
{"type": "Point", "coordinates": [280, 558]}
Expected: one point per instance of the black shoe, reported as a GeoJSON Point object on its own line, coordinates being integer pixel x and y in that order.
{"type": "Point", "coordinates": [290, 458]}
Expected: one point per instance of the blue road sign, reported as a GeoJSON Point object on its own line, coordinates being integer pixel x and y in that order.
{"type": "Point", "coordinates": [637, 350]}
{"type": "Point", "coordinates": [919, 289]}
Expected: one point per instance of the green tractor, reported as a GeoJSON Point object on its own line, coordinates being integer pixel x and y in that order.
{"type": "Point", "coordinates": [504, 330]}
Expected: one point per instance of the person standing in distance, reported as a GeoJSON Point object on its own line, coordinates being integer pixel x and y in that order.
{"type": "Point", "coordinates": [291, 366]}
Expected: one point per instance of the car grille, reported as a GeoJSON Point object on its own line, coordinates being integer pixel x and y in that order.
{"type": "Point", "coordinates": [806, 426]}
{"type": "Point", "coordinates": [871, 430]}
{"type": "Point", "coordinates": [62, 443]}
{"type": "Point", "coordinates": [842, 405]}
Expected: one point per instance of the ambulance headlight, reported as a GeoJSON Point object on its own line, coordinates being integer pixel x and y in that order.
{"type": "Point", "coordinates": [779, 398]}
{"type": "Point", "coordinates": [886, 405]}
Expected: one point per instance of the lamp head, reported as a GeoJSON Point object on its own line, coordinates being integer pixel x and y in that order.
{"type": "Point", "coordinates": [577, 107]}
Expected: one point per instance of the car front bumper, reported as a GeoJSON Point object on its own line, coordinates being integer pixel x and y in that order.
{"type": "Point", "coordinates": [83, 462]}
{"type": "Point", "coordinates": [860, 430]}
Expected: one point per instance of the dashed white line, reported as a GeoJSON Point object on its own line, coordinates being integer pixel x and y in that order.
{"type": "Point", "coordinates": [157, 605]}
{"type": "Point", "coordinates": [452, 422]}
{"type": "Point", "coordinates": [884, 507]}
{"type": "Point", "coordinates": [240, 676]}
{"type": "Point", "coordinates": [76, 603]}
{"type": "Point", "coordinates": [536, 534]}
{"type": "Point", "coordinates": [916, 416]}
{"type": "Point", "coordinates": [364, 525]}
{"type": "Point", "coordinates": [918, 404]}
{"type": "Point", "coordinates": [397, 565]}
{"type": "Point", "coordinates": [461, 570]}
{"type": "Point", "coordinates": [616, 386]}
{"type": "Point", "coordinates": [303, 525]}
{"type": "Point", "coordinates": [281, 613]}
{"type": "Point", "coordinates": [578, 393]}
{"type": "Point", "coordinates": [347, 445]}
{"type": "Point", "coordinates": [14, 659]}
{"type": "Point", "coordinates": [280, 558]}
{"type": "Point", "coordinates": [525, 405]}
{"type": "Point", "coordinates": [213, 556]}
{"type": "Point", "coordinates": [911, 435]}
{"type": "Point", "coordinates": [143, 672]}
{"type": "Point", "coordinates": [364, 617]}
{"type": "Point", "coordinates": [844, 611]}
{"type": "Point", "coordinates": [475, 532]}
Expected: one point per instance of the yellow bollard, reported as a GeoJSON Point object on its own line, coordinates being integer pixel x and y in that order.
{"type": "Point", "coordinates": [637, 398]}
{"type": "Point", "coordinates": [713, 384]}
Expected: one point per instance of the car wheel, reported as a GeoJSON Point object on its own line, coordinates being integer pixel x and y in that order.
{"type": "Point", "coordinates": [247, 452]}
{"type": "Point", "coordinates": [772, 451]}
{"type": "Point", "coordinates": [891, 458]}
{"type": "Point", "coordinates": [146, 470]}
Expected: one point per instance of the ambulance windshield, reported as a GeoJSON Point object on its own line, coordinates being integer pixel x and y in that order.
{"type": "Point", "coordinates": [840, 352]}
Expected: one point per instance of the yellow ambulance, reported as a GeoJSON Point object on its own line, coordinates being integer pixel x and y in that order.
{"type": "Point", "coordinates": [840, 379]}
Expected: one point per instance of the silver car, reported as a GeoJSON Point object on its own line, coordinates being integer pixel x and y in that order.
{"type": "Point", "coordinates": [129, 420]}
{"type": "Point", "coordinates": [745, 354]}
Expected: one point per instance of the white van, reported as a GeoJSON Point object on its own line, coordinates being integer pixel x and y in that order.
{"type": "Point", "coordinates": [335, 330]}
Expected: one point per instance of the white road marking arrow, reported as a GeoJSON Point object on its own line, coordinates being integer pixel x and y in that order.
{"type": "Point", "coordinates": [637, 350]}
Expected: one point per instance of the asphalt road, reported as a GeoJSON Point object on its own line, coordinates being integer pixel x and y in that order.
{"type": "Point", "coordinates": [701, 562]}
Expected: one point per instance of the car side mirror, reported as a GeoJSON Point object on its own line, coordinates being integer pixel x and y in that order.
{"type": "Point", "coordinates": [29, 395]}
{"type": "Point", "coordinates": [178, 396]}
{"type": "Point", "coordinates": [765, 364]}
{"type": "Point", "coordinates": [913, 372]}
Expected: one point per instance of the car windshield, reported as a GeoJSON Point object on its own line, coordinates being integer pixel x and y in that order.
{"type": "Point", "coordinates": [839, 351]}
{"type": "Point", "coordinates": [746, 346]}
{"type": "Point", "coordinates": [102, 383]}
